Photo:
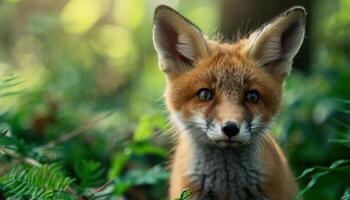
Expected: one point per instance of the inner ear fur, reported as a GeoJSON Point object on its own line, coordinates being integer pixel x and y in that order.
{"type": "Point", "coordinates": [178, 42]}
{"type": "Point", "coordinates": [275, 45]}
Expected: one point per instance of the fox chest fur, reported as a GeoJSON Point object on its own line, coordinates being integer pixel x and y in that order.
{"type": "Point", "coordinates": [225, 173]}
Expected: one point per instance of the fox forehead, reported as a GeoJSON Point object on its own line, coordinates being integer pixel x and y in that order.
{"type": "Point", "coordinates": [226, 68]}
{"type": "Point", "coordinates": [226, 63]}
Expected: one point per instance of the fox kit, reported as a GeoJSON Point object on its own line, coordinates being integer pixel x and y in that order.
{"type": "Point", "coordinates": [221, 98]}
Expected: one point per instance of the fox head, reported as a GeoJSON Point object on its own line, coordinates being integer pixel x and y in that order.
{"type": "Point", "coordinates": [225, 94]}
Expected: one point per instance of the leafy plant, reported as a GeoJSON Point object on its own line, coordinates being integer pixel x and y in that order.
{"type": "Point", "coordinates": [185, 195]}
{"type": "Point", "coordinates": [339, 170]}
{"type": "Point", "coordinates": [318, 172]}
{"type": "Point", "coordinates": [346, 195]}
{"type": "Point", "coordinates": [89, 173]}
{"type": "Point", "coordinates": [44, 182]}
{"type": "Point", "coordinates": [140, 177]}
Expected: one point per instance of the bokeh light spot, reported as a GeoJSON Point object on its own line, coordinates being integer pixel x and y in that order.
{"type": "Point", "coordinates": [78, 16]}
{"type": "Point", "coordinates": [129, 13]}
{"type": "Point", "coordinates": [114, 42]}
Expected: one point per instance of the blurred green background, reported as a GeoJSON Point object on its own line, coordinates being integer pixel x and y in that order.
{"type": "Point", "coordinates": [86, 69]}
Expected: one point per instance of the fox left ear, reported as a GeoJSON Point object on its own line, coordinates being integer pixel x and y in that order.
{"type": "Point", "coordinates": [275, 45]}
{"type": "Point", "coordinates": [178, 42]}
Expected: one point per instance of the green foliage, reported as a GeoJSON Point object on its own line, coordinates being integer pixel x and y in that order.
{"type": "Point", "coordinates": [322, 171]}
{"type": "Point", "coordinates": [185, 195]}
{"type": "Point", "coordinates": [140, 177]}
{"type": "Point", "coordinates": [45, 182]}
{"type": "Point", "coordinates": [346, 195]}
{"type": "Point", "coordinates": [70, 66]}
{"type": "Point", "coordinates": [147, 125]}
{"type": "Point", "coordinates": [89, 174]}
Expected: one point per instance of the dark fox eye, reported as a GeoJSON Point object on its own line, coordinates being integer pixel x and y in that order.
{"type": "Point", "coordinates": [205, 94]}
{"type": "Point", "coordinates": [252, 96]}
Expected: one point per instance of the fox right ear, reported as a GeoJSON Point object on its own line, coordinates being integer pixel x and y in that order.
{"type": "Point", "coordinates": [178, 42]}
{"type": "Point", "coordinates": [275, 45]}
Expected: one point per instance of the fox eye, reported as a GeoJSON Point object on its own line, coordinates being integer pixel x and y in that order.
{"type": "Point", "coordinates": [252, 96]}
{"type": "Point", "coordinates": [205, 94]}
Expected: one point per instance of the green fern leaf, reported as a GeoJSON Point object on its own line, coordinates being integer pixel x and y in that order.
{"type": "Point", "coordinates": [44, 183]}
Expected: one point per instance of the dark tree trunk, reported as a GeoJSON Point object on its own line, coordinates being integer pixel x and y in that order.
{"type": "Point", "coordinates": [243, 16]}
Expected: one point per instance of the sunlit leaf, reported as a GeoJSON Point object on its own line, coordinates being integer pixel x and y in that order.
{"type": "Point", "coordinates": [346, 195]}
{"type": "Point", "coordinates": [185, 194]}
{"type": "Point", "coordinates": [146, 148]}
{"type": "Point", "coordinates": [306, 172]}
{"type": "Point", "coordinates": [147, 125]}
{"type": "Point", "coordinates": [118, 162]}
{"type": "Point", "coordinates": [145, 128]}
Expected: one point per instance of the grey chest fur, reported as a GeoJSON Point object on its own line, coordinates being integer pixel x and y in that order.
{"type": "Point", "coordinates": [226, 174]}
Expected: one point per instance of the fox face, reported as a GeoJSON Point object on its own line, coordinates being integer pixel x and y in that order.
{"type": "Point", "coordinates": [226, 99]}
{"type": "Point", "coordinates": [225, 94]}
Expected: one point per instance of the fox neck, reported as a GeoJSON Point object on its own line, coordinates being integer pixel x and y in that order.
{"type": "Point", "coordinates": [225, 173]}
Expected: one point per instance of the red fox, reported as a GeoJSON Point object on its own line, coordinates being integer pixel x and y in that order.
{"type": "Point", "coordinates": [221, 98]}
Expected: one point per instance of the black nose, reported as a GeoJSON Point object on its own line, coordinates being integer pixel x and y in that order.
{"type": "Point", "coordinates": [230, 129]}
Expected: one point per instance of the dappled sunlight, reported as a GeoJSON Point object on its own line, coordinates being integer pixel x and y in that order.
{"type": "Point", "coordinates": [115, 42]}
{"type": "Point", "coordinates": [130, 13]}
{"type": "Point", "coordinates": [78, 16]}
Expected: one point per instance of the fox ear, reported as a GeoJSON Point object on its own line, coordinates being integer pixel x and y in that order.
{"type": "Point", "coordinates": [178, 42]}
{"type": "Point", "coordinates": [275, 45]}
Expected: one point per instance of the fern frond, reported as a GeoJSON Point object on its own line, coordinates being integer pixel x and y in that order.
{"type": "Point", "coordinates": [45, 182]}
